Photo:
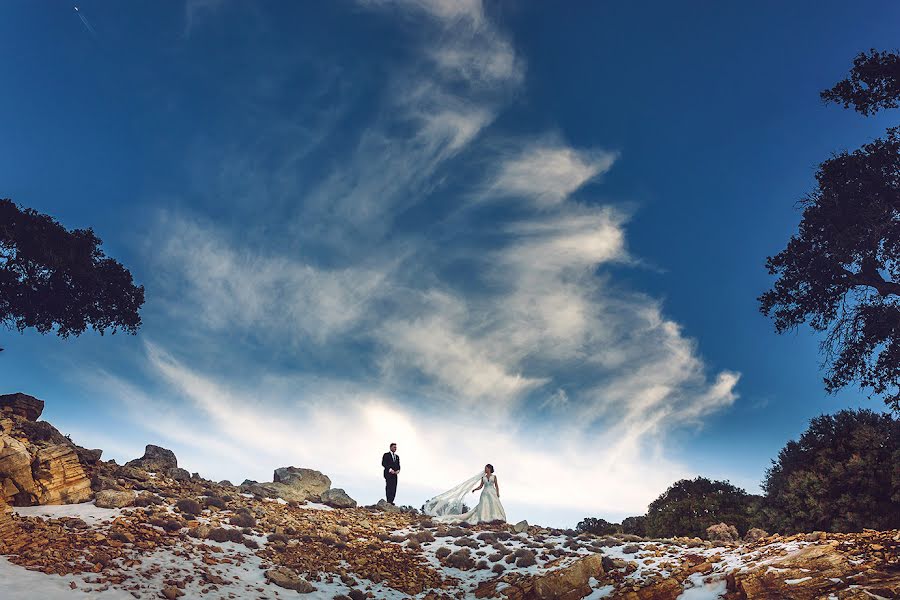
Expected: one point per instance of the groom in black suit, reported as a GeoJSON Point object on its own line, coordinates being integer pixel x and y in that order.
{"type": "Point", "coordinates": [391, 463]}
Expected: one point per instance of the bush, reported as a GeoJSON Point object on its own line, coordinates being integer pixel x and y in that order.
{"type": "Point", "coordinates": [635, 526]}
{"type": "Point", "coordinates": [842, 475]}
{"type": "Point", "coordinates": [597, 526]}
{"type": "Point", "coordinates": [689, 506]}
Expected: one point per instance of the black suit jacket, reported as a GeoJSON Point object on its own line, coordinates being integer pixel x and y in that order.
{"type": "Point", "coordinates": [388, 463]}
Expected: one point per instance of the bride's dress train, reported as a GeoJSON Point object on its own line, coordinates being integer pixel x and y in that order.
{"type": "Point", "coordinates": [447, 507]}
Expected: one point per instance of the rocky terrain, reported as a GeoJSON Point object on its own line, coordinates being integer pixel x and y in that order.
{"type": "Point", "coordinates": [71, 523]}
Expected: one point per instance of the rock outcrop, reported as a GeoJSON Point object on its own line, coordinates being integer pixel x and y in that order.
{"type": "Point", "coordinates": [337, 498]}
{"type": "Point", "coordinates": [155, 460]}
{"type": "Point", "coordinates": [294, 484]}
{"type": "Point", "coordinates": [21, 405]}
{"type": "Point", "coordinates": [307, 482]}
{"type": "Point", "coordinates": [39, 465]}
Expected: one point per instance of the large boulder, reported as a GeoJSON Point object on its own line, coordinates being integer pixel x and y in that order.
{"type": "Point", "coordinates": [568, 583]}
{"type": "Point", "coordinates": [337, 498]}
{"type": "Point", "coordinates": [722, 532]}
{"type": "Point", "coordinates": [21, 405]}
{"type": "Point", "coordinates": [572, 582]}
{"type": "Point", "coordinates": [816, 571]}
{"type": "Point", "coordinates": [60, 476]}
{"type": "Point", "coordinates": [156, 459]}
{"type": "Point", "coordinates": [114, 498]}
{"type": "Point", "coordinates": [38, 465]}
{"type": "Point", "coordinates": [17, 485]}
{"type": "Point", "coordinates": [293, 483]}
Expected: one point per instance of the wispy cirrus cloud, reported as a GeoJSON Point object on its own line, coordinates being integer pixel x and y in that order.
{"type": "Point", "coordinates": [373, 299]}
{"type": "Point", "coordinates": [548, 173]}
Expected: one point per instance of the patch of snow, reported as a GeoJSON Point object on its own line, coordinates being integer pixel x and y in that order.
{"type": "Point", "coordinates": [85, 511]}
{"type": "Point", "coordinates": [315, 506]}
{"type": "Point", "coordinates": [21, 584]}
{"type": "Point", "coordinates": [598, 592]}
{"type": "Point", "coordinates": [796, 581]}
{"type": "Point", "coordinates": [703, 590]}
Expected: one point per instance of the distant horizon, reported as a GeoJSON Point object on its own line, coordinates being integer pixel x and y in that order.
{"type": "Point", "coordinates": [529, 235]}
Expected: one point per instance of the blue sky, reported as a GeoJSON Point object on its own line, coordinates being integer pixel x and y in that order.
{"type": "Point", "coordinates": [529, 234]}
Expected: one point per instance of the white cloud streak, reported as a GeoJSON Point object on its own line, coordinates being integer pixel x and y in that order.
{"type": "Point", "coordinates": [534, 359]}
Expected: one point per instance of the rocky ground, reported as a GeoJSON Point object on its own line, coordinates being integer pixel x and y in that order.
{"type": "Point", "coordinates": [149, 529]}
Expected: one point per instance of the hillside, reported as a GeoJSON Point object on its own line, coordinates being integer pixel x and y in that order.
{"type": "Point", "coordinates": [71, 523]}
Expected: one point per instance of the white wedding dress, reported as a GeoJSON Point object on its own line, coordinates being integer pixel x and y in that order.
{"type": "Point", "coordinates": [447, 507]}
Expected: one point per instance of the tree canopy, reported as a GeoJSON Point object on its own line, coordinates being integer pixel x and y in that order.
{"type": "Point", "coordinates": [840, 273]}
{"type": "Point", "coordinates": [54, 278]}
{"type": "Point", "coordinates": [689, 506]}
{"type": "Point", "coordinates": [843, 474]}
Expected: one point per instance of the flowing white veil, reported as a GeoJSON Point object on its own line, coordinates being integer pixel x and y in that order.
{"type": "Point", "coordinates": [451, 501]}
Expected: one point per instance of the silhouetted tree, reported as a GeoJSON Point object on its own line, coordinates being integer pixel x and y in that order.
{"type": "Point", "coordinates": [842, 475]}
{"type": "Point", "coordinates": [635, 525]}
{"type": "Point", "coordinates": [689, 506]}
{"type": "Point", "coordinates": [51, 277]}
{"type": "Point", "coordinates": [840, 272]}
{"type": "Point", "coordinates": [874, 83]}
{"type": "Point", "coordinates": [596, 526]}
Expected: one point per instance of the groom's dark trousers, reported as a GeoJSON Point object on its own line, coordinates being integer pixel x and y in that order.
{"type": "Point", "coordinates": [390, 479]}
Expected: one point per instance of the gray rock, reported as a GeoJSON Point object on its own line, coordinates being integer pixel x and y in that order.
{"type": "Point", "coordinates": [521, 527]}
{"type": "Point", "coordinates": [386, 506]}
{"type": "Point", "coordinates": [338, 498]}
{"type": "Point", "coordinates": [178, 474]}
{"type": "Point", "coordinates": [293, 483]}
{"type": "Point", "coordinates": [630, 549]}
{"type": "Point", "coordinates": [289, 579]}
{"type": "Point", "coordinates": [114, 498]}
{"type": "Point", "coordinates": [156, 459]}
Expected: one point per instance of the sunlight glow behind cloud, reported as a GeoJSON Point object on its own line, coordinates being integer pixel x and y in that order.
{"type": "Point", "coordinates": [534, 359]}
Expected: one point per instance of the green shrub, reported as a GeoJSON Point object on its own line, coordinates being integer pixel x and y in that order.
{"type": "Point", "coordinates": [843, 474]}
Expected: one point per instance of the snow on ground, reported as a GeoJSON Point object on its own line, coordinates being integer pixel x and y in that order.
{"type": "Point", "coordinates": [22, 584]}
{"type": "Point", "coordinates": [85, 511]}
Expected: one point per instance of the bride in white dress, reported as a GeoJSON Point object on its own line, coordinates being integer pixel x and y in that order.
{"type": "Point", "coordinates": [448, 507]}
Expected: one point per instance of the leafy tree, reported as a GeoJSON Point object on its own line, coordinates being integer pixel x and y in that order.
{"type": "Point", "coordinates": [51, 277]}
{"type": "Point", "coordinates": [874, 83]}
{"type": "Point", "coordinates": [842, 475]}
{"type": "Point", "coordinates": [689, 506]}
{"type": "Point", "coordinates": [597, 526]}
{"type": "Point", "coordinates": [635, 525]}
{"type": "Point", "coordinates": [840, 272]}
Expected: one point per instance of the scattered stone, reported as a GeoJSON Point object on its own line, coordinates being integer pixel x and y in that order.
{"type": "Point", "coordinates": [521, 527]}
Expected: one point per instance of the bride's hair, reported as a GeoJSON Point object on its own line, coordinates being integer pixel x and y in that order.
{"type": "Point", "coordinates": [491, 467]}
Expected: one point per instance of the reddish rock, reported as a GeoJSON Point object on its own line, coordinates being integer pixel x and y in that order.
{"type": "Point", "coordinates": [21, 405]}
